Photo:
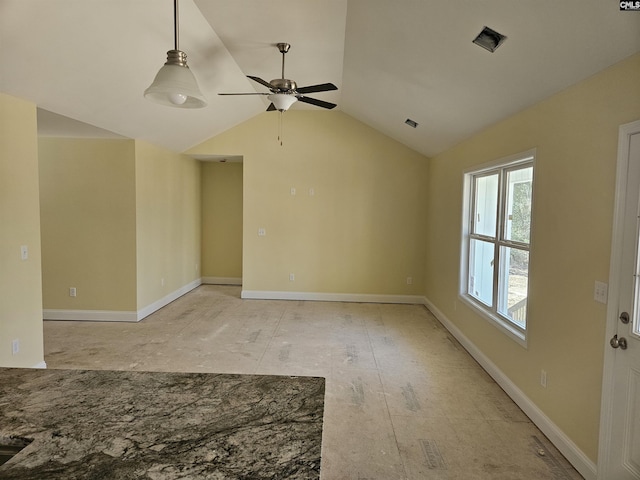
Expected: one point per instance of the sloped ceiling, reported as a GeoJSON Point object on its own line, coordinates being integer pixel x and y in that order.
{"type": "Point", "coordinates": [391, 60]}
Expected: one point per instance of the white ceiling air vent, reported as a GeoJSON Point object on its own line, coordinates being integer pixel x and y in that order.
{"type": "Point", "coordinates": [489, 39]}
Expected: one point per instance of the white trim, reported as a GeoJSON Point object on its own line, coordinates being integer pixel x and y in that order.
{"type": "Point", "coordinates": [167, 299]}
{"type": "Point", "coordinates": [567, 447]}
{"type": "Point", "coordinates": [41, 364]}
{"type": "Point", "coordinates": [606, 408]}
{"type": "Point", "coordinates": [119, 316]}
{"type": "Point", "coordinates": [494, 320]}
{"type": "Point", "coordinates": [508, 161]}
{"type": "Point", "coordinates": [222, 280]}
{"type": "Point", "coordinates": [90, 315]}
{"type": "Point", "coordinates": [333, 297]}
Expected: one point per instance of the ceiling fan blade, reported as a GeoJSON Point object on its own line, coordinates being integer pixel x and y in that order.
{"type": "Point", "coordinates": [262, 82]}
{"type": "Point", "coordinates": [322, 87]}
{"type": "Point", "coordinates": [252, 93]}
{"type": "Point", "coordinates": [316, 102]}
{"type": "Point", "coordinates": [271, 107]}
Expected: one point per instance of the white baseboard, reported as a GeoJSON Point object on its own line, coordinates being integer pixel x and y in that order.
{"type": "Point", "coordinates": [222, 280]}
{"type": "Point", "coordinates": [167, 299]}
{"type": "Point", "coordinates": [567, 447]}
{"type": "Point", "coordinates": [41, 364]}
{"type": "Point", "coordinates": [119, 316]}
{"type": "Point", "coordinates": [90, 315]}
{"type": "Point", "coordinates": [333, 297]}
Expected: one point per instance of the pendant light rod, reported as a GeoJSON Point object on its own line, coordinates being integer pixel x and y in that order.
{"type": "Point", "coordinates": [175, 25]}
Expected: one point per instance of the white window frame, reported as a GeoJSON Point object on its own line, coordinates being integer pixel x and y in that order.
{"type": "Point", "coordinates": [512, 162]}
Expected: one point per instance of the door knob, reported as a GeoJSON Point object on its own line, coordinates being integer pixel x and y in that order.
{"type": "Point", "coordinates": [618, 342]}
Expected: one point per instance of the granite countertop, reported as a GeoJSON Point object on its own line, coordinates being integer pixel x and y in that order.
{"type": "Point", "coordinates": [151, 425]}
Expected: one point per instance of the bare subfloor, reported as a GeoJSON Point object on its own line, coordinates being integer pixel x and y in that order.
{"type": "Point", "coordinates": [403, 399]}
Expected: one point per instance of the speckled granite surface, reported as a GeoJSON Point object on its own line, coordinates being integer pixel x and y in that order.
{"type": "Point", "coordinates": [141, 425]}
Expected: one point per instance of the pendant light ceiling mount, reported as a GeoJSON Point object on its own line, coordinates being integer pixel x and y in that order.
{"type": "Point", "coordinates": [175, 85]}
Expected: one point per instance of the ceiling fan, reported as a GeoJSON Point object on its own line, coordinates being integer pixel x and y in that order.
{"type": "Point", "coordinates": [284, 92]}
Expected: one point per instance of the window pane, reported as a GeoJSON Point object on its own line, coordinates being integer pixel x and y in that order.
{"type": "Point", "coordinates": [518, 212]}
{"type": "Point", "coordinates": [485, 205]}
{"type": "Point", "coordinates": [481, 271]}
{"type": "Point", "coordinates": [513, 281]}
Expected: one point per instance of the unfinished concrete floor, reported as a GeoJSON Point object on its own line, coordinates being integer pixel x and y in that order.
{"type": "Point", "coordinates": [403, 399]}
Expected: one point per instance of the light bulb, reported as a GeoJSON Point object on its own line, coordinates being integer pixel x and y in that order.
{"type": "Point", "coordinates": [177, 98]}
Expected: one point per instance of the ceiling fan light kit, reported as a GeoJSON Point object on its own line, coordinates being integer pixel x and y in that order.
{"type": "Point", "coordinates": [175, 85]}
{"type": "Point", "coordinates": [282, 101]}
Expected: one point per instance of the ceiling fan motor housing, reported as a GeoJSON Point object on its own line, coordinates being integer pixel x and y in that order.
{"type": "Point", "coordinates": [284, 84]}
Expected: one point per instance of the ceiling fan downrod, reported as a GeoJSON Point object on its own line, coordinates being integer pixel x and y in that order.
{"type": "Point", "coordinates": [284, 48]}
{"type": "Point", "coordinates": [284, 85]}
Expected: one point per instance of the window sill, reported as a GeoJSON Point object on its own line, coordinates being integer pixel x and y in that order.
{"type": "Point", "coordinates": [513, 333]}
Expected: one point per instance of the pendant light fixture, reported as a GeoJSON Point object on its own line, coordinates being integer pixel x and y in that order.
{"type": "Point", "coordinates": [175, 84]}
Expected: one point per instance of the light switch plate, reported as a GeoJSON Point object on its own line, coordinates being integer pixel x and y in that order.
{"type": "Point", "coordinates": [600, 292]}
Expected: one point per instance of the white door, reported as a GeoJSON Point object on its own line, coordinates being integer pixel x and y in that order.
{"type": "Point", "coordinates": [619, 456]}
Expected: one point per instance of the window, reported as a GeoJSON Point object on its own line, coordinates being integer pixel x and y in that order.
{"type": "Point", "coordinates": [496, 241]}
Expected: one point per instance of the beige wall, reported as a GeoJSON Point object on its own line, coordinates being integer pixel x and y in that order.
{"type": "Point", "coordinates": [120, 223]}
{"type": "Point", "coordinates": [575, 133]}
{"type": "Point", "coordinates": [20, 280]}
{"type": "Point", "coordinates": [222, 220]}
{"type": "Point", "coordinates": [168, 211]}
{"type": "Point", "coordinates": [87, 200]}
{"type": "Point", "coordinates": [362, 231]}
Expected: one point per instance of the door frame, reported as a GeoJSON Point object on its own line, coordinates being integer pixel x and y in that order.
{"type": "Point", "coordinates": [606, 409]}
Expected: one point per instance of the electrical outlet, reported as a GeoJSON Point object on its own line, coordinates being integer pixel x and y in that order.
{"type": "Point", "coordinates": [262, 232]}
{"type": "Point", "coordinates": [409, 281]}
{"type": "Point", "coordinates": [293, 191]}
{"type": "Point", "coordinates": [24, 252]}
{"type": "Point", "coordinates": [72, 291]}
{"type": "Point", "coordinates": [292, 277]}
{"type": "Point", "coordinates": [15, 346]}
{"type": "Point", "coordinates": [543, 378]}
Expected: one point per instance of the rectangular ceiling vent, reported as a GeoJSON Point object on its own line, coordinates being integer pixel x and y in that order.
{"type": "Point", "coordinates": [489, 39]}
{"type": "Point", "coordinates": [411, 123]}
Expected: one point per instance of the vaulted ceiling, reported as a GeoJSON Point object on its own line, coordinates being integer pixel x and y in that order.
{"type": "Point", "coordinates": [90, 61]}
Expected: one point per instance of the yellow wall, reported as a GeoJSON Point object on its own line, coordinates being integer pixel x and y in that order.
{"type": "Point", "coordinates": [87, 200]}
{"type": "Point", "coordinates": [575, 133]}
{"type": "Point", "coordinates": [222, 220]}
{"type": "Point", "coordinates": [362, 231]}
{"type": "Point", "coordinates": [20, 280]}
{"type": "Point", "coordinates": [168, 210]}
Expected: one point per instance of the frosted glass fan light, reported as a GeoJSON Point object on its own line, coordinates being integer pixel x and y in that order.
{"type": "Point", "coordinates": [282, 101]}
